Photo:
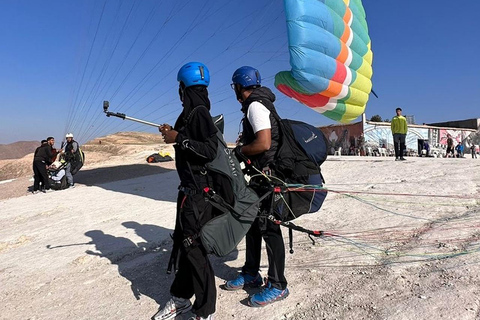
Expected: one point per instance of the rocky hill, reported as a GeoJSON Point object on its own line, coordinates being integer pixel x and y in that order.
{"type": "Point", "coordinates": [17, 149]}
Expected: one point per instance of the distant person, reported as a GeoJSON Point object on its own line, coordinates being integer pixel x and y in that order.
{"type": "Point", "coordinates": [459, 148]}
{"type": "Point", "coordinates": [450, 148]}
{"type": "Point", "coordinates": [473, 149]}
{"type": "Point", "coordinates": [71, 148]}
{"type": "Point", "coordinates": [426, 147]}
{"type": "Point", "coordinates": [37, 178]}
{"type": "Point", "coordinates": [399, 130]}
{"type": "Point", "coordinates": [41, 160]}
{"type": "Point", "coordinates": [361, 145]}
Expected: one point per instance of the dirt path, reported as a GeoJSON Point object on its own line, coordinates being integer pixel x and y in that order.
{"type": "Point", "coordinates": [99, 251]}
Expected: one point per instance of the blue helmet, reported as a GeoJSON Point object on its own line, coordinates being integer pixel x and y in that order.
{"type": "Point", "coordinates": [193, 74]}
{"type": "Point", "coordinates": [247, 77]}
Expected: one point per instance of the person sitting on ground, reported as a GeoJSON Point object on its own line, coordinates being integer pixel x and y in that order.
{"type": "Point", "coordinates": [56, 174]}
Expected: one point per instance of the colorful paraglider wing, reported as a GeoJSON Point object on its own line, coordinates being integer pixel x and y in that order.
{"type": "Point", "coordinates": [330, 56]}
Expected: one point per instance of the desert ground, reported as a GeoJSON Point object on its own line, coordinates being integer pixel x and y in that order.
{"type": "Point", "coordinates": [402, 241]}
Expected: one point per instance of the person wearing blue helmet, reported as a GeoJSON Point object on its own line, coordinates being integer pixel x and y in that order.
{"type": "Point", "coordinates": [259, 142]}
{"type": "Point", "coordinates": [195, 143]}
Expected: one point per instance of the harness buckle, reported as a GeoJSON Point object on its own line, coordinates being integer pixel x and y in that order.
{"type": "Point", "coordinates": [187, 242]}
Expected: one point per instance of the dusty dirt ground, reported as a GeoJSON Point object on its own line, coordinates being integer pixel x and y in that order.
{"type": "Point", "coordinates": [402, 242]}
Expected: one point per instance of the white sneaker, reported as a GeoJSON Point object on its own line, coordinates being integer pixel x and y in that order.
{"type": "Point", "coordinates": [174, 307]}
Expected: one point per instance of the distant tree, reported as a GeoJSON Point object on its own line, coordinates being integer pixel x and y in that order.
{"type": "Point", "coordinates": [376, 118]}
{"type": "Point", "coordinates": [386, 120]}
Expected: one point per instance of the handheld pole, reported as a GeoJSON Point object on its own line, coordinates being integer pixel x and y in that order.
{"type": "Point", "coordinates": [123, 116]}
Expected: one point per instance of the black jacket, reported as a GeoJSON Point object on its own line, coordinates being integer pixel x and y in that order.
{"type": "Point", "coordinates": [266, 97]}
{"type": "Point", "coordinates": [44, 153]}
{"type": "Point", "coordinates": [196, 142]}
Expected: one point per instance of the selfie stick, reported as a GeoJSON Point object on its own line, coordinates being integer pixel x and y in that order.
{"type": "Point", "coordinates": [123, 116]}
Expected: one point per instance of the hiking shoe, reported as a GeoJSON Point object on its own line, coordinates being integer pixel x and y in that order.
{"type": "Point", "coordinates": [244, 280]}
{"type": "Point", "coordinates": [210, 317]}
{"type": "Point", "coordinates": [174, 307]}
{"type": "Point", "coordinates": [71, 186]}
{"type": "Point", "coordinates": [267, 296]}
{"type": "Point", "coordinates": [397, 159]}
{"type": "Point", "coordinates": [402, 159]}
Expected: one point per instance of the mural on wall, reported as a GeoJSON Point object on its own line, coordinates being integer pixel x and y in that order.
{"type": "Point", "coordinates": [343, 136]}
{"type": "Point", "coordinates": [380, 136]}
{"type": "Point", "coordinates": [440, 136]}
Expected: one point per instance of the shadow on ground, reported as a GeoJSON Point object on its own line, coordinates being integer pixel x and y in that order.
{"type": "Point", "coordinates": [144, 264]}
{"type": "Point", "coordinates": [145, 180]}
{"type": "Point", "coordinates": [98, 176]}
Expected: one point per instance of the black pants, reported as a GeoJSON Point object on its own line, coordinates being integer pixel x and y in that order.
{"type": "Point", "coordinates": [272, 234]}
{"type": "Point", "coordinates": [195, 274]}
{"type": "Point", "coordinates": [40, 175]}
{"type": "Point", "coordinates": [399, 144]}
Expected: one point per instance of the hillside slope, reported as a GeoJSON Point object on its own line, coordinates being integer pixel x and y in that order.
{"type": "Point", "coordinates": [17, 149]}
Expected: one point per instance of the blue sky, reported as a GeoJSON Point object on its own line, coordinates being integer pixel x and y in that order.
{"type": "Point", "coordinates": [60, 59]}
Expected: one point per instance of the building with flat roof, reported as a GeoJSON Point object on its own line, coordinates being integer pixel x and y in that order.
{"type": "Point", "coordinates": [375, 135]}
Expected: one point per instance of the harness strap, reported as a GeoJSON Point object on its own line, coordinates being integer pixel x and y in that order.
{"type": "Point", "coordinates": [189, 191]}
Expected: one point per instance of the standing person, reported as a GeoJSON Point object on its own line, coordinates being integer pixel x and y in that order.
{"type": "Point", "coordinates": [450, 148]}
{"type": "Point", "coordinates": [473, 149]}
{"type": "Point", "coordinates": [71, 148]}
{"type": "Point", "coordinates": [426, 147]}
{"type": "Point", "coordinates": [459, 149]}
{"type": "Point", "coordinates": [194, 135]}
{"type": "Point", "coordinates": [41, 160]}
{"type": "Point", "coordinates": [37, 177]}
{"type": "Point", "coordinates": [260, 139]}
{"type": "Point", "coordinates": [399, 130]}
{"type": "Point", "coordinates": [361, 145]}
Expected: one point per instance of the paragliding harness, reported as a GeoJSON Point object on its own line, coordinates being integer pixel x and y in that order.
{"type": "Point", "coordinates": [233, 219]}
{"type": "Point", "coordinates": [56, 184]}
{"type": "Point", "coordinates": [76, 159]}
{"type": "Point", "coordinates": [296, 185]}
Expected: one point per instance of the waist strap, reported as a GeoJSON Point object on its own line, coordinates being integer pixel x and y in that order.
{"type": "Point", "coordinates": [189, 191]}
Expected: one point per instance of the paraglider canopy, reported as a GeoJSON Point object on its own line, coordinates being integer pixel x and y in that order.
{"type": "Point", "coordinates": [330, 56]}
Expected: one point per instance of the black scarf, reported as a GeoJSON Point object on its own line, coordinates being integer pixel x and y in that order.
{"type": "Point", "coordinates": [193, 97]}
